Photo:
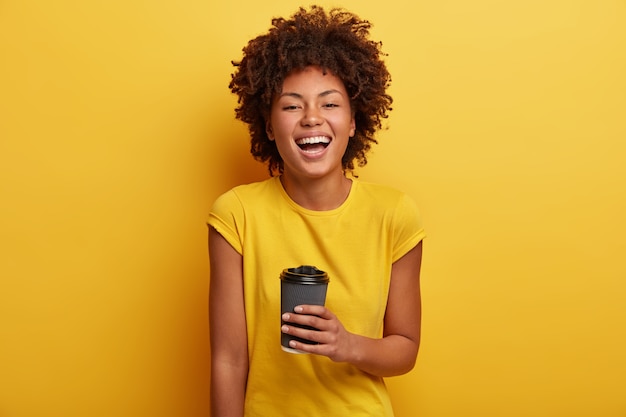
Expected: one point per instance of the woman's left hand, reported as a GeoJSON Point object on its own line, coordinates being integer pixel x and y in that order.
{"type": "Point", "coordinates": [333, 339]}
{"type": "Point", "coordinates": [392, 354]}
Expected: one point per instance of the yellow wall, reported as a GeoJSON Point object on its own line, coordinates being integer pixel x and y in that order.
{"type": "Point", "coordinates": [117, 132]}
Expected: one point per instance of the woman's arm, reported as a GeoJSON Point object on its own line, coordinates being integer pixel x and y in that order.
{"type": "Point", "coordinates": [227, 321]}
{"type": "Point", "coordinates": [396, 352]}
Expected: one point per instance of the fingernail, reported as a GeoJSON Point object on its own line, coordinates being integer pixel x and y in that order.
{"type": "Point", "coordinates": [298, 309]}
{"type": "Point", "coordinates": [286, 316]}
{"type": "Point", "coordinates": [292, 344]}
{"type": "Point", "coordinates": [284, 329]}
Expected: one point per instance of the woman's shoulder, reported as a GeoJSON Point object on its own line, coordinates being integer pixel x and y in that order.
{"type": "Point", "coordinates": [382, 199]}
{"type": "Point", "coordinates": [243, 197]}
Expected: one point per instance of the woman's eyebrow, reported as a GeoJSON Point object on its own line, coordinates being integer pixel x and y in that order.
{"type": "Point", "coordinates": [327, 92]}
{"type": "Point", "coordinates": [288, 94]}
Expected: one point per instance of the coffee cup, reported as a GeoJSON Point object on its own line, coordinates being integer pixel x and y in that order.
{"type": "Point", "coordinates": [302, 285]}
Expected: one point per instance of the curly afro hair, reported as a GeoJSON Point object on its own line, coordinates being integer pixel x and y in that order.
{"type": "Point", "coordinates": [338, 42]}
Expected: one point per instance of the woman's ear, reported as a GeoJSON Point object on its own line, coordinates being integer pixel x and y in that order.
{"type": "Point", "coordinates": [269, 131]}
{"type": "Point", "coordinates": [352, 127]}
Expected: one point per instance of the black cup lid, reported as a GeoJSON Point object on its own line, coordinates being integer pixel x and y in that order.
{"type": "Point", "coordinates": [305, 274]}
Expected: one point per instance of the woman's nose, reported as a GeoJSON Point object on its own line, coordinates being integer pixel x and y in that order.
{"type": "Point", "coordinates": [312, 117]}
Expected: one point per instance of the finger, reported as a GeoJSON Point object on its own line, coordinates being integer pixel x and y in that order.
{"type": "Point", "coordinates": [314, 310]}
{"type": "Point", "coordinates": [306, 334]}
{"type": "Point", "coordinates": [305, 320]}
{"type": "Point", "coordinates": [305, 347]}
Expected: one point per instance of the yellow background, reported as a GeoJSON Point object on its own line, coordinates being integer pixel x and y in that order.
{"type": "Point", "coordinates": [117, 132]}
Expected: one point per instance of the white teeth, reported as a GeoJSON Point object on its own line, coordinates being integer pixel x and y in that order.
{"type": "Point", "coordinates": [313, 140]}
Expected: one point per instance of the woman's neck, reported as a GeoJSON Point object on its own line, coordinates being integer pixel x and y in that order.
{"type": "Point", "coordinates": [319, 194]}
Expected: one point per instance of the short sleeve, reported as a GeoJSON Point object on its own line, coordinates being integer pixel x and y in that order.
{"type": "Point", "coordinates": [227, 218]}
{"type": "Point", "coordinates": [407, 226]}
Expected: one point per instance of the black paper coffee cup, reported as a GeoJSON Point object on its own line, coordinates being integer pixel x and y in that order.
{"type": "Point", "coordinates": [302, 285]}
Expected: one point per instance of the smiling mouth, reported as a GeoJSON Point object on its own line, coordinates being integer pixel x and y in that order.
{"type": "Point", "coordinates": [313, 144]}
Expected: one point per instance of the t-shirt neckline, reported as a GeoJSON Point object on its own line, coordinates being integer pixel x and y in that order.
{"type": "Point", "coordinates": [310, 212]}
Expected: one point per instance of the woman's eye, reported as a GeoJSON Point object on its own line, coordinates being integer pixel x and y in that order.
{"type": "Point", "coordinates": [291, 107]}
{"type": "Point", "coordinates": [331, 105]}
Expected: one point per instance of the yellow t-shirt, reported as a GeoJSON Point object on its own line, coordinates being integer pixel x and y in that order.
{"type": "Point", "coordinates": [356, 245]}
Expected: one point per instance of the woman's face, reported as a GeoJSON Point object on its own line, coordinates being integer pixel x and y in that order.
{"type": "Point", "coordinates": [311, 122]}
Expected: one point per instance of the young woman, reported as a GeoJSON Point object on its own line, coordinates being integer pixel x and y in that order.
{"type": "Point", "coordinates": [313, 92]}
